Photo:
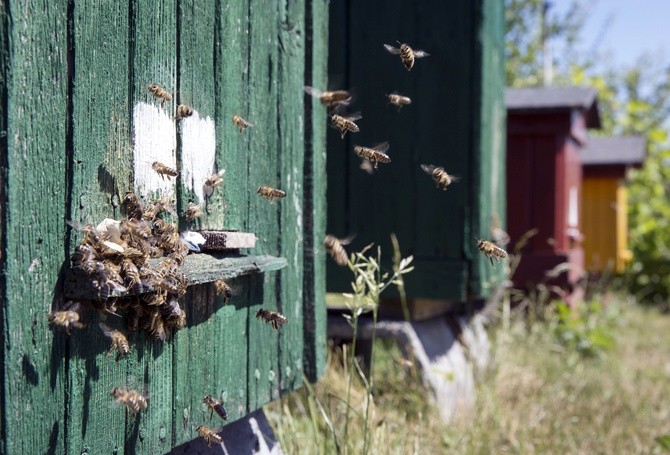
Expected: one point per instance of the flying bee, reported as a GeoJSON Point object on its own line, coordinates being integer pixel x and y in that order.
{"type": "Point", "coordinates": [491, 250]}
{"type": "Point", "coordinates": [67, 318]}
{"type": "Point", "coordinates": [398, 100]}
{"type": "Point", "coordinates": [330, 98]}
{"type": "Point", "coordinates": [374, 155]}
{"type": "Point", "coordinates": [345, 123]}
{"type": "Point", "coordinates": [212, 182]}
{"type": "Point", "coordinates": [119, 341]}
{"type": "Point", "coordinates": [498, 234]}
{"type": "Point", "coordinates": [159, 92]}
{"type": "Point", "coordinates": [441, 177]}
{"type": "Point", "coordinates": [407, 54]}
{"type": "Point", "coordinates": [209, 435]}
{"type": "Point", "coordinates": [222, 288]}
{"type": "Point", "coordinates": [241, 123]}
{"type": "Point", "coordinates": [335, 247]}
{"type": "Point", "coordinates": [270, 193]}
{"type": "Point", "coordinates": [164, 170]}
{"type": "Point", "coordinates": [193, 211]}
{"type": "Point", "coordinates": [214, 404]}
{"type": "Point", "coordinates": [273, 318]}
{"type": "Point", "coordinates": [183, 111]}
{"type": "Point", "coordinates": [133, 400]}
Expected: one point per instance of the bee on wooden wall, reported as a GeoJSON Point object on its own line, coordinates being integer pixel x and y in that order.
{"type": "Point", "coordinates": [346, 123]}
{"type": "Point", "coordinates": [193, 211]}
{"type": "Point", "coordinates": [183, 111]}
{"type": "Point", "coordinates": [334, 247]}
{"type": "Point", "coordinates": [439, 175]}
{"type": "Point", "coordinates": [164, 170]}
{"type": "Point", "coordinates": [270, 193]}
{"type": "Point", "coordinates": [209, 435]}
{"type": "Point", "coordinates": [159, 92]}
{"type": "Point", "coordinates": [374, 155]}
{"type": "Point", "coordinates": [491, 250]}
{"type": "Point", "coordinates": [133, 280]}
{"type": "Point", "coordinates": [407, 54]}
{"type": "Point", "coordinates": [133, 205]}
{"type": "Point", "coordinates": [212, 182]}
{"type": "Point", "coordinates": [119, 341]}
{"type": "Point", "coordinates": [240, 123]}
{"type": "Point", "coordinates": [67, 318]}
{"type": "Point", "coordinates": [222, 288]}
{"type": "Point", "coordinates": [133, 400]}
{"type": "Point", "coordinates": [273, 318]}
{"type": "Point", "coordinates": [398, 100]}
{"type": "Point", "coordinates": [215, 406]}
{"type": "Point", "coordinates": [330, 98]}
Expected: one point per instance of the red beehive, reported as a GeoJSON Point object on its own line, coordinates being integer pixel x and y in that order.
{"type": "Point", "coordinates": [546, 128]}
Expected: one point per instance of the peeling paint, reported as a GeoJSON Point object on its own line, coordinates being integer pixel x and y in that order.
{"type": "Point", "coordinates": [198, 152]}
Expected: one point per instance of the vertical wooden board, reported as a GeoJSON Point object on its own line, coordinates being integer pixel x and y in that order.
{"type": "Point", "coordinates": [152, 57]}
{"type": "Point", "coordinates": [291, 153]}
{"type": "Point", "coordinates": [34, 192]}
{"type": "Point", "coordinates": [101, 160]}
{"type": "Point", "coordinates": [314, 209]}
{"type": "Point", "coordinates": [264, 218]}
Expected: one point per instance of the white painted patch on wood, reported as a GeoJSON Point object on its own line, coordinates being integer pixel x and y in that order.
{"type": "Point", "coordinates": [154, 139]}
{"type": "Point", "coordinates": [198, 144]}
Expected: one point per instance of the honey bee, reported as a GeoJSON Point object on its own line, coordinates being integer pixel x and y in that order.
{"type": "Point", "coordinates": [214, 404]}
{"type": "Point", "coordinates": [374, 155]}
{"type": "Point", "coordinates": [85, 257]}
{"type": "Point", "coordinates": [119, 341]}
{"type": "Point", "coordinates": [209, 435]}
{"type": "Point", "coordinates": [193, 211]}
{"type": "Point", "coordinates": [441, 177]}
{"type": "Point", "coordinates": [132, 276]}
{"type": "Point", "coordinates": [399, 100]}
{"type": "Point", "coordinates": [407, 54]}
{"type": "Point", "coordinates": [270, 193]}
{"type": "Point", "coordinates": [212, 182]}
{"type": "Point", "coordinates": [67, 318]}
{"type": "Point", "coordinates": [163, 170]}
{"type": "Point", "coordinates": [156, 326]}
{"type": "Point", "coordinates": [159, 92]}
{"type": "Point", "coordinates": [346, 123]}
{"type": "Point", "coordinates": [334, 247]}
{"type": "Point", "coordinates": [183, 111]}
{"type": "Point", "coordinates": [330, 98]}
{"type": "Point", "coordinates": [222, 288]}
{"type": "Point", "coordinates": [133, 205]}
{"type": "Point", "coordinates": [241, 123]}
{"type": "Point", "coordinates": [491, 250]}
{"type": "Point", "coordinates": [273, 318]}
{"type": "Point", "coordinates": [133, 400]}
{"type": "Point", "coordinates": [500, 237]}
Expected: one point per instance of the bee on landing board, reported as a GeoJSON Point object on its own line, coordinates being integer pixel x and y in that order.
{"type": "Point", "coordinates": [330, 98]}
{"type": "Point", "coordinates": [273, 318]}
{"type": "Point", "coordinates": [398, 100]}
{"type": "Point", "coordinates": [163, 170]}
{"type": "Point", "coordinates": [491, 250]}
{"type": "Point", "coordinates": [209, 435]}
{"type": "Point", "coordinates": [345, 123]}
{"type": "Point", "coordinates": [159, 92]}
{"type": "Point", "coordinates": [215, 406]}
{"type": "Point", "coordinates": [270, 193]}
{"type": "Point", "coordinates": [374, 155]}
{"type": "Point", "coordinates": [335, 248]}
{"type": "Point", "coordinates": [119, 341]}
{"type": "Point", "coordinates": [183, 111]}
{"type": "Point", "coordinates": [241, 123]}
{"type": "Point", "coordinates": [407, 54]}
{"type": "Point", "coordinates": [222, 288]}
{"type": "Point", "coordinates": [441, 177]}
{"type": "Point", "coordinates": [133, 400]}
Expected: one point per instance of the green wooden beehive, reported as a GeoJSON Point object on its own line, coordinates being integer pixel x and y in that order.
{"type": "Point", "coordinates": [456, 120]}
{"type": "Point", "coordinates": [79, 129]}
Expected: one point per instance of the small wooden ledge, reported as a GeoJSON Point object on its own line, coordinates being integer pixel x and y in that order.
{"type": "Point", "coordinates": [198, 268]}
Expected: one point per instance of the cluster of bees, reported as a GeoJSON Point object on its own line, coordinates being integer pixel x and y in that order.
{"type": "Point", "coordinates": [372, 156]}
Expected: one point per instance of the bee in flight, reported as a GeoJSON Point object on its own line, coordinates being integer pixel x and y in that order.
{"type": "Point", "coordinates": [119, 341]}
{"type": "Point", "coordinates": [241, 123]}
{"type": "Point", "coordinates": [398, 100]}
{"type": "Point", "coordinates": [407, 54]}
{"type": "Point", "coordinates": [441, 177]}
{"type": "Point", "coordinates": [270, 193]}
{"type": "Point", "coordinates": [133, 400]}
{"type": "Point", "coordinates": [214, 404]}
{"type": "Point", "coordinates": [222, 288]}
{"type": "Point", "coordinates": [346, 123]}
{"type": "Point", "coordinates": [67, 318]}
{"type": "Point", "coordinates": [183, 111]}
{"type": "Point", "coordinates": [212, 182]}
{"type": "Point", "coordinates": [374, 155]}
{"type": "Point", "coordinates": [335, 247]}
{"type": "Point", "coordinates": [163, 170]}
{"type": "Point", "coordinates": [491, 250]}
{"type": "Point", "coordinates": [193, 211]}
{"type": "Point", "coordinates": [159, 92]}
{"type": "Point", "coordinates": [333, 98]}
{"type": "Point", "coordinates": [273, 318]}
{"type": "Point", "coordinates": [209, 435]}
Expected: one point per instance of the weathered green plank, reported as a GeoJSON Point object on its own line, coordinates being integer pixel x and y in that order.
{"type": "Point", "coordinates": [34, 191]}
{"type": "Point", "coordinates": [314, 283]}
